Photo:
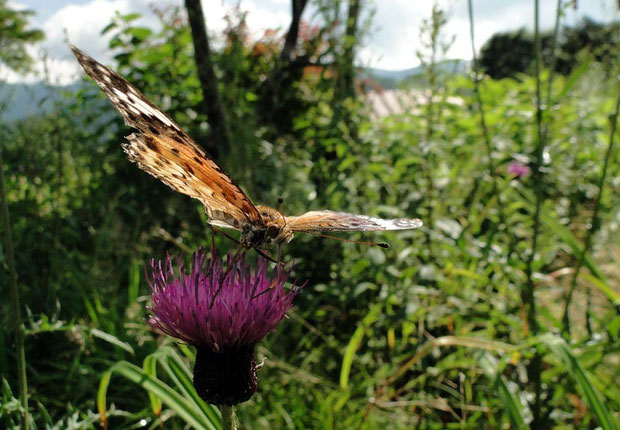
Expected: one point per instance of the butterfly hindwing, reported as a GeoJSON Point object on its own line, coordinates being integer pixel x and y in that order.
{"type": "Point", "coordinates": [164, 150]}
{"type": "Point", "coordinates": [326, 221]}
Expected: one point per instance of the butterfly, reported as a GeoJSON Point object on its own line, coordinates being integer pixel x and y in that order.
{"type": "Point", "coordinates": [162, 149]}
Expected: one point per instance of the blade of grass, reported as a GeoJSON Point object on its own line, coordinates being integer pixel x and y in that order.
{"type": "Point", "coordinates": [427, 348]}
{"type": "Point", "coordinates": [183, 408]}
{"type": "Point", "coordinates": [16, 315]}
{"type": "Point", "coordinates": [551, 222]}
{"type": "Point", "coordinates": [112, 339]}
{"type": "Point", "coordinates": [594, 224]}
{"type": "Point", "coordinates": [612, 295]}
{"type": "Point", "coordinates": [101, 398]}
{"type": "Point", "coordinates": [355, 343]}
{"type": "Point", "coordinates": [513, 406]}
{"type": "Point", "coordinates": [150, 368]}
{"type": "Point", "coordinates": [178, 372]}
{"type": "Point", "coordinates": [572, 79]}
{"type": "Point", "coordinates": [560, 349]}
{"type": "Point", "coordinates": [134, 282]}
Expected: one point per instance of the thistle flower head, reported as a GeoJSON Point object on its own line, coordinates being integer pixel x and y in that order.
{"type": "Point", "coordinates": [223, 307]}
{"type": "Point", "coordinates": [518, 169]}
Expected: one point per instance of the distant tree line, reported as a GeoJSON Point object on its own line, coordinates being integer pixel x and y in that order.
{"type": "Point", "coordinates": [512, 53]}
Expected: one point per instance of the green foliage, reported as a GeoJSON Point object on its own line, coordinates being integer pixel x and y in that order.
{"type": "Point", "coordinates": [429, 333]}
{"type": "Point", "coordinates": [15, 35]}
{"type": "Point", "coordinates": [511, 54]}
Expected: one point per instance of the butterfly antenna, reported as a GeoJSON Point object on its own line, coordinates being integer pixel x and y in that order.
{"type": "Point", "coordinates": [359, 242]}
{"type": "Point", "coordinates": [280, 203]}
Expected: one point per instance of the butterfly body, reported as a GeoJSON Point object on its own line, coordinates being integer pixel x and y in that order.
{"type": "Point", "coordinates": [272, 229]}
{"type": "Point", "coordinates": [162, 149]}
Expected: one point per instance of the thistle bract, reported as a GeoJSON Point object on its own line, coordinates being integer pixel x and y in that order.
{"type": "Point", "coordinates": [223, 307]}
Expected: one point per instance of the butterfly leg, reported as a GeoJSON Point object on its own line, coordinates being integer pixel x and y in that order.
{"type": "Point", "coordinates": [223, 233]}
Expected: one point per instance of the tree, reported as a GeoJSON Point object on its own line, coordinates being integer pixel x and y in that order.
{"type": "Point", "coordinates": [347, 68]}
{"type": "Point", "coordinates": [507, 54]}
{"type": "Point", "coordinates": [602, 40]}
{"type": "Point", "coordinates": [213, 108]}
{"type": "Point", "coordinates": [511, 53]}
{"type": "Point", "coordinates": [282, 72]}
{"type": "Point", "coordinates": [15, 35]}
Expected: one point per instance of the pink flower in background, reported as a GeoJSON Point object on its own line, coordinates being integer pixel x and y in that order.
{"type": "Point", "coordinates": [518, 169]}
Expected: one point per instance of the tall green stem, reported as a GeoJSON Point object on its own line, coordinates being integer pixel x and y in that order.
{"type": "Point", "coordinates": [527, 292]}
{"type": "Point", "coordinates": [228, 418]}
{"type": "Point", "coordinates": [15, 304]}
{"type": "Point", "coordinates": [483, 125]}
{"type": "Point", "coordinates": [595, 223]}
{"type": "Point", "coordinates": [476, 78]}
{"type": "Point", "coordinates": [554, 56]}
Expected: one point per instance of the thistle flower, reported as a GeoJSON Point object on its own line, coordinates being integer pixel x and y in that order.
{"type": "Point", "coordinates": [518, 169]}
{"type": "Point", "coordinates": [223, 307]}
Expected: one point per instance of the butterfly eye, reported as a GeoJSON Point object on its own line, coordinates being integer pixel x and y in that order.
{"type": "Point", "coordinates": [272, 231]}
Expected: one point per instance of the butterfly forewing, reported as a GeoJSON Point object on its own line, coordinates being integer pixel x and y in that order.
{"type": "Point", "coordinates": [168, 153]}
{"type": "Point", "coordinates": [326, 221]}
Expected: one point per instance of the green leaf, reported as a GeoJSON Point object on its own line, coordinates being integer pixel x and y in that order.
{"type": "Point", "coordinates": [130, 17]}
{"type": "Point", "coordinates": [139, 34]}
{"type": "Point", "coordinates": [560, 349]}
{"type": "Point", "coordinates": [108, 27]}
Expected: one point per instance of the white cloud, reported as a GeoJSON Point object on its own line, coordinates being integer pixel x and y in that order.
{"type": "Point", "coordinates": [391, 44]}
{"type": "Point", "coordinates": [81, 25]}
{"type": "Point", "coordinates": [395, 38]}
{"type": "Point", "coordinates": [16, 5]}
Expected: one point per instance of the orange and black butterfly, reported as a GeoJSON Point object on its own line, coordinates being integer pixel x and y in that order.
{"type": "Point", "coordinates": [165, 151]}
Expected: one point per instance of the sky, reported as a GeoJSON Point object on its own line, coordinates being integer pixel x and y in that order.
{"type": "Point", "coordinates": [391, 43]}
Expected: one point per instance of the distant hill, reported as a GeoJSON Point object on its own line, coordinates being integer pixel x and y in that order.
{"type": "Point", "coordinates": [391, 79]}
{"type": "Point", "coordinates": [23, 100]}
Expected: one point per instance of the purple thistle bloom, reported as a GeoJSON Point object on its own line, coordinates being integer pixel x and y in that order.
{"type": "Point", "coordinates": [518, 169]}
{"type": "Point", "coordinates": [223, 308]}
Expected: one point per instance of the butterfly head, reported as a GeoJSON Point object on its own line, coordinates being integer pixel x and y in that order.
{"type": "Point", "coordinates": [273, 229]}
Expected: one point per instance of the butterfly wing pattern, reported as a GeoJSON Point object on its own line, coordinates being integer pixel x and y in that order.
{"type": "Point", "coordinates": [164, 150]}
{"type": "Point", "coordinates": [328, 221]}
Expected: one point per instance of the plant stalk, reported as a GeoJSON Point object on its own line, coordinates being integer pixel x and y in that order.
{"type": "Point", "coordinates": [483, 125]}
{"type": "Point", "coordinates": [476, 78]}
{"type": "Point", "coordinates": [527, 292]}
{"type": "Point", "coordinates": [228, 418]}
{"type": "Point", "coordinates": [595, 223]}
{"type": "Point", "coordinates": [16, 316]}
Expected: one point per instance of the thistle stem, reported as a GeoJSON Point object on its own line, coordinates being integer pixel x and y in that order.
{"type": "Point", "coordinates": [15, 305]}
{"type": "Point", "coordinates": [228, 418]}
